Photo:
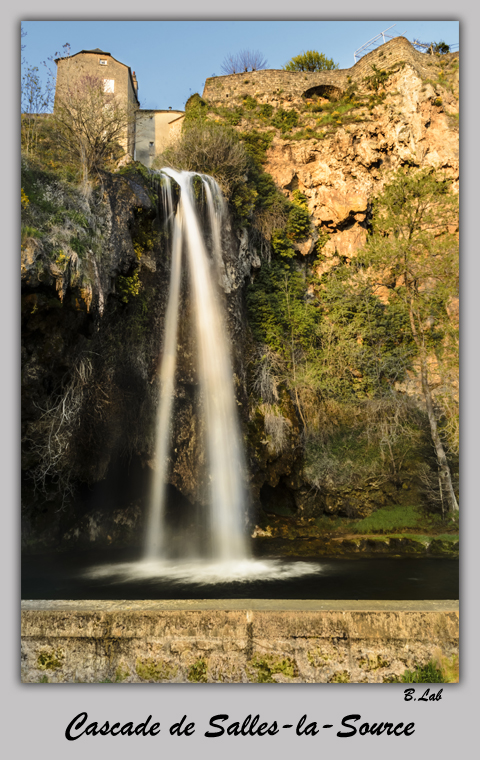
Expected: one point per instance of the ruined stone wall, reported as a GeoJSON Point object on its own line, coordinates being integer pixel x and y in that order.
{"type": "Point", "coordinates": [264, 84]}
{"type": "Point", "coordinates": [233, 641]}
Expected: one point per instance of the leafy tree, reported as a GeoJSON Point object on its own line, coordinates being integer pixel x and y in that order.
{"type": "Point", "coordinates": [412, 258]}
{"type": "Point", "coordinates": [311, 60]}
{"type": "Point", "coordinates": [364, 347]}
{"type": "Point", "coordinates": [284, 320]}
{"type": "Point", "coordinates": [245, 60]}
{"type": "Point", "coordinates": [440, 47]}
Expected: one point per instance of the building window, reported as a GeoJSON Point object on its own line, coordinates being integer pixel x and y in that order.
{"type": "Point", "coordinates": [108, 85]}
{"type": "Point", "coordinates": [103, 62]}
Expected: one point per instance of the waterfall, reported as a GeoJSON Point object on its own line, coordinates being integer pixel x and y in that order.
{"type": "Point", "coordinates": [225, 557]}
{"type": "Point", "coordinates": [226, 502]}
{"type": "Point", "coordinates": [155, 536]}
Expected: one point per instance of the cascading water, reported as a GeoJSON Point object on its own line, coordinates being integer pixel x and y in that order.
{"type": "Point", "coordinates": [155, 536]}
{"type": "Point", "coordinates": [222, 434]}
{"type": "Point", "coordinates": [225, 557]}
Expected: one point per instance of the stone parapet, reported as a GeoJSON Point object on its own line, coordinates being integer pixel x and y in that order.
{"type": "Point", "coordinates": [227, 641]}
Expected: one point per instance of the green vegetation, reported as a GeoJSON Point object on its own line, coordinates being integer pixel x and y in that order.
{"type": "Point", "coordinates": [285, 120]}
{"type": "Point", "coordinates": [155, 669]}
{"type": "Point", "coordinates": [395, 518]}
{"type": "Point", "coordinates": [341, 349]}
{"type": "Point", "coordinates": [261, 669]}
{"type": "Point", "coordinates": [412, 253]}
{"type": "Point", "coordinates": [440, 669]}
{"type": "Point", "coordinates": [392, 521]}
{"type": "Point", "coordinates": [129, 287]}
{"type": "Point", "coordinates": [341, 676]}
{"type": "Point", "coordinates": [50, 660]}
{"type": "Point", "coordinates": [440, 47]}
{"type": "Point", "coordinates": [378, 78]}
{"type": "Point", "coordinates": [197, 673]}
{"type": "Point", "coordinates": [311, 60]}
{"type": "Point", "coordinates": [121, 673]}
{"type": "Point", "coordinates": [429, 673]}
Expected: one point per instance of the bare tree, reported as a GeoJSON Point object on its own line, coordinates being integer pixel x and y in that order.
{"type": "Point", "coordinates": [208, 148]}
{"type": "Point", "coordinates": [37, 94]}
{"type": "Point", "coordinates": [245, 60]}
{"type": "Point", "coordinates": [90, 123]}
{"type": "Point", "coordinates": [36, 100]}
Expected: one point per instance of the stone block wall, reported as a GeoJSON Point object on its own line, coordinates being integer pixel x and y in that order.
{"type": "Point", "coordinates": [233, 641]}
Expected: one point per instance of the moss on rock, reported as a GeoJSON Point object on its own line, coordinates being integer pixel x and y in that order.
{"type": "Point", "coordinates": [155, 669]}
{"type": "Point", "coordinates": [262, 668]}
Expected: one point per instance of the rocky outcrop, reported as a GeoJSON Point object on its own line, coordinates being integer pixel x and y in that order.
{"type": "Point", "coordinates": [414, 125]}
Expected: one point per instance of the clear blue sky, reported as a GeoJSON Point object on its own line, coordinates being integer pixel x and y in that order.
{"type": "Point", "coordinates": [172, 59]}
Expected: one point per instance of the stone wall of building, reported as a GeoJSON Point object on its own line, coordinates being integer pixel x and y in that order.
{"type": "Point", "coordinates": [233, 641]}
{"type": "Point", "coordinates": [154, 131]}
{"type": "Point", "coordinates": [89, 63]}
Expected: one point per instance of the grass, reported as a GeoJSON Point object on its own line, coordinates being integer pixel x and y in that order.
{"type": "Point", "coordinates": [388, 519]}
{"type": "Point", "coordinates": [396, 521]}
{"type": "Point", "coordinates": [398, 518]}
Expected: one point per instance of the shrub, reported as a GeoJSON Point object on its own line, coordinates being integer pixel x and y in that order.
{"type": "Point", "coordinates": [196, 109]}
{"type": "Point", "coordinates": [285, 120]}
{"type": "Point", "coordinates": [197, 673]}
{"type": "Point", "coordinates": [249, 102]}
{"type": "Point", "coordinates": [266, 110]}
{"type": "Point", "coordinates": [311, 60]}
{"type": "Point", "coordinates": [377, 79]}
{"type": "Point", "coordinates": [429, 673]}
{"type": "Point", "coordinates": [298, 225]}
{"type": "Point", "coordinates": [208, 148]}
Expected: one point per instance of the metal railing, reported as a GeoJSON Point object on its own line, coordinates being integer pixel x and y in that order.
{"type": "Point", "coordinates": [379, 39]}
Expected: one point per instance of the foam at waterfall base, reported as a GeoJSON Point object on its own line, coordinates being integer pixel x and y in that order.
{"type": "Point", "coordinates": [204, 571]}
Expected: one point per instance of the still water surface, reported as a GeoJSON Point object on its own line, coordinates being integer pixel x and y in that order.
{"type": "Point", "coordinates": [123, 576]}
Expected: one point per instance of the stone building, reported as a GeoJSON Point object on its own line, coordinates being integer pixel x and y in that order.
{"type": "Point", "coordinates": [150, 131]}
{"type": "Point", "coordinates": [154, 131]}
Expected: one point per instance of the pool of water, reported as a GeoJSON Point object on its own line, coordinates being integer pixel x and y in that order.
{"type": "Point", "coordinates": [123, 575]}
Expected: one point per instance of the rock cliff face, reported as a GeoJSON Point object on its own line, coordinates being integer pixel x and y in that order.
{"type": "Point", "coordinates": [92, 331]}
{"type": "Point", "coordinates": [414, 125]}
